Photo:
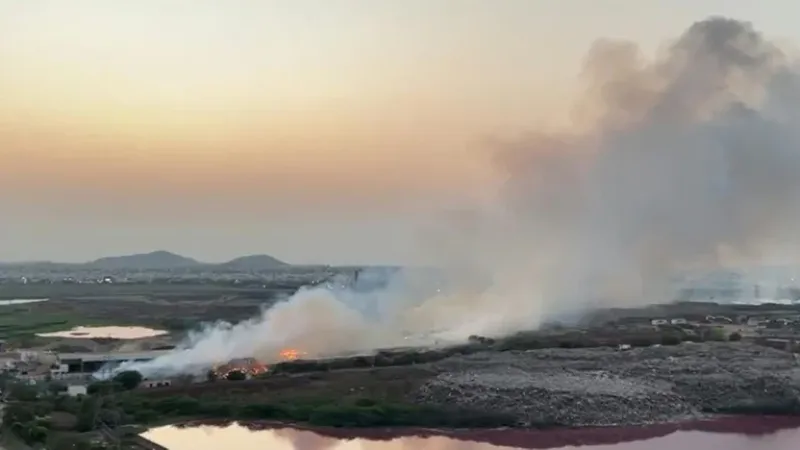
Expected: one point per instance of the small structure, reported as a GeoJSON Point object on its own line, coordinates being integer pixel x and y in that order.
{"type": "Point", "coordinates": [28, 356]}
{"type": "Point", "coordinates": [76, 390]}
{"type": "Point", "coordinates": [148, 384]}
{"type": "Point", "coordinates": [719, 319]}
{"type": "Point", "coordinates": [754, 321]}
{"type": "Point", "coordinates": [779, 343]}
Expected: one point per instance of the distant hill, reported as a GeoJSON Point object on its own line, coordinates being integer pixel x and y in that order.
{"type": "Point", "coordinates": [158, 260]}
{"type": "Point", "coordinates": [163, 260]}
{"type": "Point", "coordinates": [253, 263]}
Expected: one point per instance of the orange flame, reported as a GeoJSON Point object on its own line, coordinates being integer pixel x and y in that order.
{"type": "Point", "coordinates": [291, 354]}
{"type": "Point", "coordinates": [247, 365]}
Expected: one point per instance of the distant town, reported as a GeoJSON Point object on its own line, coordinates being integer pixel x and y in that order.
{"type": "Point", "coordinates": [775, 284]}
{"type": "Point", "coordinates": [162, 267]}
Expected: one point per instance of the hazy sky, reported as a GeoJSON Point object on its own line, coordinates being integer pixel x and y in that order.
{"type": "Point", "coordinates": [313, 130]}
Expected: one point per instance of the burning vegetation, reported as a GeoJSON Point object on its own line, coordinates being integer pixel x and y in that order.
{"type": "Point", "coordinates": [291, 354]}
{"type": "Point", "coordinates": [251, 366]}
{"type": "Point", "coordinates": [247, 366]}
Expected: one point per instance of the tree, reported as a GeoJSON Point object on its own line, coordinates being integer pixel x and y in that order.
{"type": "Point", "coordinates": [87, 415]}
{"type": "Point", "coordinates": [18, 412]}
{"type": "Point", "coordinates": [35, 433]}
{"type": "Point", "coordinates": [236, 375]}
{"type": "Point", "coordinates": [735, 337]}
{"type": "Point", "coordinates": [129, 379]}
{"type": "Point", "coordinates": [22, 392]}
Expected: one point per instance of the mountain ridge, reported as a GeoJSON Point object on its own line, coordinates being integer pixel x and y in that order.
{"type": "Point", "coordinates": [163, 260]}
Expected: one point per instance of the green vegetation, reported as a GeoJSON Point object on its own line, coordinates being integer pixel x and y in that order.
{"type": "Point", "coordinates": [348, 412]}
{"type": "Point", "coordinates": [21, 321]}
{"type": "Point", "coordinates": [369, 398]}
{"type": "Point", "coordinates": [161, 305]}
{"type": "Point", "coordinates": [129, 379]}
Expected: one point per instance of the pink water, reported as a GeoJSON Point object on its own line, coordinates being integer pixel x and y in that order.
{"type": "Point", "coordinates": [758, 435]}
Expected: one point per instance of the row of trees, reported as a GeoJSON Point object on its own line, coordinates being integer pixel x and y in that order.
{"type": "Point", "coordinates": [34, 414]}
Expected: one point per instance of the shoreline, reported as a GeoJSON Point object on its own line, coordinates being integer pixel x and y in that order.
{"type": "Point", "coordinates": [535, 438]}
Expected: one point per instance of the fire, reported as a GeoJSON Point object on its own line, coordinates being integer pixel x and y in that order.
{"type": "Point", "coordinates": [248, 366]}
{"type": "Point", "coordinates": [251, 366]}
{"type": "Point", "coordinates": [291, 354]}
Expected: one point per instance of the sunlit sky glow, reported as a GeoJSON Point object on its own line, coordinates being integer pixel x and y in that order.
{"type": "Point", "coordinates": [313, 130]}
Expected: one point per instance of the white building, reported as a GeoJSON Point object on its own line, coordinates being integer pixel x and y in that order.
{"type": "Point", "coordinates": [76, 390]}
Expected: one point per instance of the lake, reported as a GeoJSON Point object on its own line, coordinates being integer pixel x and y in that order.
{"type": "Point", "coordinates": [106, 332]}
{"type": "Point", "coordinates": [243, 438]}
{"type": "Point", "coordinates": [22, 301]}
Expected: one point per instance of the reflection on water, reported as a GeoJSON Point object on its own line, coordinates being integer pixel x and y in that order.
{"type": "Point", "coordinates": [106, 332]}
{"type": "Point", "coordinates": [242, 438]}
{"type": "Point", "coordinates": [22, 301]}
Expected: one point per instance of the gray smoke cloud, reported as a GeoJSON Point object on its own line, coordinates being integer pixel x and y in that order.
{"type": "Point", "coordinates": [690, 157]}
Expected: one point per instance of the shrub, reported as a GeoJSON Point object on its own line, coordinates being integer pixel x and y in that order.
{"type": "Point", "coordinates": [182, 406]}
{"type": "Point", "coordinates": [129, 379]}
{"type": "Point", "coordinates": [716, 334]}
{"type": "Point", "coordinates": [347, 416]}
{"type": "Point", "coordinates": [18, 412]}
{"type": "Point", "coordinates": [103, 388]}
{"type": "Point", "coordinates": [262, 411]}
{"type": "Point", "coordinates": [22, 392]}
{"type": "Point", "coordinates": [735, 337]}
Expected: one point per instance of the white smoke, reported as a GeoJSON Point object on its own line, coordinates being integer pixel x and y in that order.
{"type": "Point", "coordinates": [691, 158]}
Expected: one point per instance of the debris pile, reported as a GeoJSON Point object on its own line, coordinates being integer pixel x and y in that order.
{"type": "Point", "coordinates": [603, 387]}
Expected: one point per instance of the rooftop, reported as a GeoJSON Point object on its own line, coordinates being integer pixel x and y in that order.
{"type": "Point", "coordinates": [113, 356]}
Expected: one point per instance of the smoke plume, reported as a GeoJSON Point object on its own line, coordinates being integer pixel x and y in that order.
{"type": "Point", "coordinates": [686, 158]}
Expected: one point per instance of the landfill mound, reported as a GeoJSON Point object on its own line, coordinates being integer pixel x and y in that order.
{"type": "Point", "coordinates": [607, 387]}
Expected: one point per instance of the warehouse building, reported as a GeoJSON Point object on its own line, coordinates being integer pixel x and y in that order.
{"type": "Point", "coordinates": [92, 362]}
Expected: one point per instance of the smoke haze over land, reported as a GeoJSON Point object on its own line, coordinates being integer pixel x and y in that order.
{"type": "Point", "coordinates": [687, 158]}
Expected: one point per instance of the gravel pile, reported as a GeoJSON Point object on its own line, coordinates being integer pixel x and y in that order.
{"type": "Point", "coordinates": [603, 387]}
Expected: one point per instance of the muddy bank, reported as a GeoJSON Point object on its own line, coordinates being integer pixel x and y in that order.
{"type": "Point", "coordinates": [605, 387]}
{"type": "Point", "coordinates": [543, 439]}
